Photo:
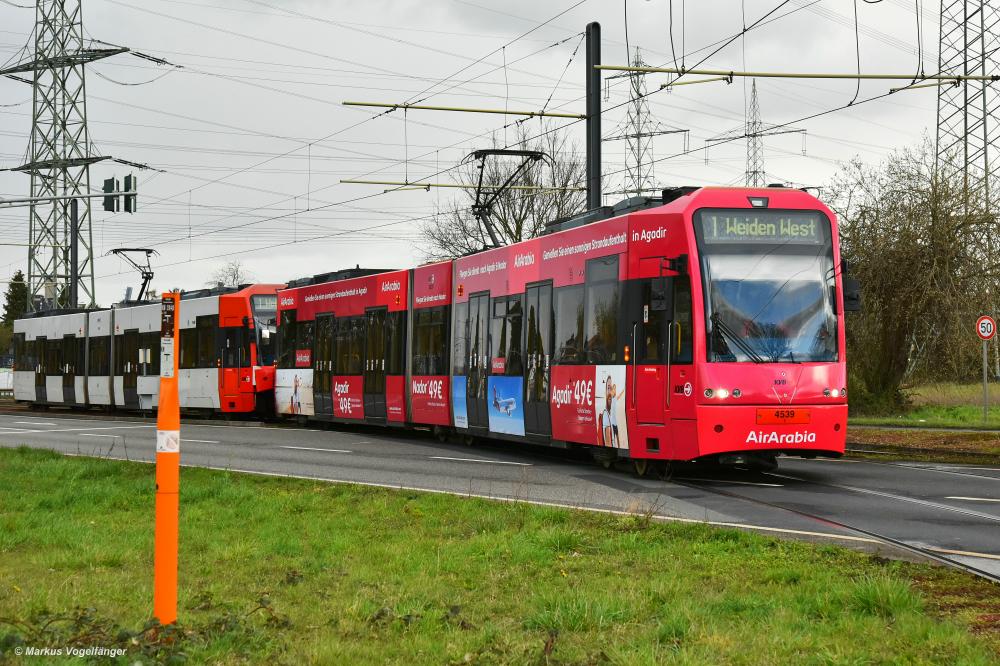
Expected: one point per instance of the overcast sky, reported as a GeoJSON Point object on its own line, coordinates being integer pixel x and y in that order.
{"type": "Point", "coordinates": [251, 134]}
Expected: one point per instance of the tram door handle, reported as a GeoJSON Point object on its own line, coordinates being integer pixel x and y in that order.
{"type": "Point", "coordinates": [635, 353]}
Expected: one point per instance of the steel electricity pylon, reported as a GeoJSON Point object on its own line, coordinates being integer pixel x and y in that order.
{"type": "Point", "coordinates": [60, 255]}
{"type": "Point", "coordinates": [968, 134]}
{"type": "Point", "coordinates": [638, 131]}
{"type": "Point", "coordinates": [754, 130]}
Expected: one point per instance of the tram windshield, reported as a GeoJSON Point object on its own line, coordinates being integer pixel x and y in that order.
{"type": "Point", "coordinates": [265, 314]}
{"type": "Point", "coordinates": [769, 285]}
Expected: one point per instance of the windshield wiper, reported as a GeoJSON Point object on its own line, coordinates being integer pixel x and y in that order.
{"type": "Point", "coordinates": [740, 343]}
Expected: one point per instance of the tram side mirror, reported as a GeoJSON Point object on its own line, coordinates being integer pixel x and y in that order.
{"type": "Point", "coordinates": [852, 294]}
{"type": "Point", "coordinates": [661, 296]}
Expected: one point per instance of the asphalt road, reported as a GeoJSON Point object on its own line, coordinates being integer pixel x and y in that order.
{"type": "Point", "coordinates": [951, 509]}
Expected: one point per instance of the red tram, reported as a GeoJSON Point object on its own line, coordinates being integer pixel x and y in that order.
{"type": "Point", "coordinates": [706, 324]}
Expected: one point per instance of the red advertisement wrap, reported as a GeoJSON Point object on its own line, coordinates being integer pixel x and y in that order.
{"type": "Point", "coordinates": [432, 285]}
{"type": "Point", "coordinates": [347, 297]}
{"type": "Point", "coordinates": [348, 397]}
{"type": "Point", "coordinates": [430, 400]}
{"type": "Point", "coordinates": [558, 257]}
{"type": "Point", "coordinates": [498, 366]}
{"type": "Point", "coordinates": [574, 418]}
{"type": "Point", "coordinates": [303, 358]}
{"type": "Point", "coordinates": [395, 401]}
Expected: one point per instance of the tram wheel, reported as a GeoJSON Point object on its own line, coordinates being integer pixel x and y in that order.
{"type": "Point", "coordinates": [441, 434]}
{"type": "Point", "coordinates": [641, 467]}
{"type": "Point", "coordinates": [663, 470]}
{"type": "Point", "coordinates": [604, 457]}
{"type": "Point", "coordinates": [468, 440]}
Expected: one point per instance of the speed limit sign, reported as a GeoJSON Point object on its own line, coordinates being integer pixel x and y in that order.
{"type": "Point", "coordinates": [986, 327]}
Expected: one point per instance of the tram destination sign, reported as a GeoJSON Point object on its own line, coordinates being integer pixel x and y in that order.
{"type": "Point", "coordinates": [756, 226]}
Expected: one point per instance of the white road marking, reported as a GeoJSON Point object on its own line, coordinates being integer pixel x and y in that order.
{"type": "Point", "coordinates": [24, 431]}
{"type": "Point", "coordinates": [198, 441]}
{"type": "Point", "coordinates": [478, 460]}
{"type": "Point", "coordinates": [902, 498]}
{"type": "Point", "coordinates": [35, 423]}
{"type": "Point", "coordinates": [966, 467]}
{"type": "Point", "coordinates": [966, 553]}
{"type": "Point", "coordinates": [974, 499]}
{"type": "Point", "coordinates": [309, 448]}
{"type": "Point", "coordinates": [91, 434]}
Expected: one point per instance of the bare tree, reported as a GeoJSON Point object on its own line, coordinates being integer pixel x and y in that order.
{"type": "Point", "coordinates": [517, 214]}
{"type": "Point", "coordinates": [233, 273]}
{"type": "Point", "coordinates": [915, 239]}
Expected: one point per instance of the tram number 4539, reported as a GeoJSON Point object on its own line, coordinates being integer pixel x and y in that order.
{"type": "Point", "coordinates": [782, 416]}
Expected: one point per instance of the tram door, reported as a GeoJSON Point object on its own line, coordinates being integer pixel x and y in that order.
{"type": "Point", "coordinates": [375, 363]}
{"type": "Point", "coordinates": [538, 308]}
{"type": "Point", "coordinates": [130, 385]}
{"type": "Point", "coordinates": [232, 356]}
{"type": "Point", "coordinates": [69, 369]}
{"type": "Point", "coordinates": [651, 383]}
{"type": "Point", "coordinates": [40, 360]}
{"type": "Point", "coordinates": [478, 367]}
{"type": "Point", "coordinates": [323, 364]}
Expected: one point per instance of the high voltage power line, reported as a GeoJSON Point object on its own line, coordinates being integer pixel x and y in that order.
{"type": "Point", "coordinates": [397, 162]}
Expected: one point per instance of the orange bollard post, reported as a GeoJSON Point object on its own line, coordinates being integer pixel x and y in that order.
{"type": "Point", "coordinates": [168, 467]}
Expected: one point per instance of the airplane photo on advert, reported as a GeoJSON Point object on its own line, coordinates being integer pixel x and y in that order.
{"type": "Point", "coordinates": [505, 405]}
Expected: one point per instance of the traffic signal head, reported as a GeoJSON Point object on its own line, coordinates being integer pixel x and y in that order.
{"type": "Point", "coordinates": [130, 197]}
{"type": "Point", "coordinates": [111, 201]}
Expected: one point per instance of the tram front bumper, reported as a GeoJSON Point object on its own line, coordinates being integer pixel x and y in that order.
{"type": "Point", "coordinates": [794, 430]}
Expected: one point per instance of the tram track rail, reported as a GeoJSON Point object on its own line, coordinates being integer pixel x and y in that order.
{"type": "Point", "coordinates": [885, 539]}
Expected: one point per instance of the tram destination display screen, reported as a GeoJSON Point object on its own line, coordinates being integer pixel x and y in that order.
{"type": "Point", "coordinates": [722, 227]}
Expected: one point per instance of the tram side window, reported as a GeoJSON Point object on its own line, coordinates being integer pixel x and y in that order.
{"type": "Point", "coordinates": [100, 356]}
{"type": "Point", "coordinates": [21, 361]}
{"type": "Point", "coordinates": [395, 343]}
{"type": "Point", "coordinates": [602, 310]}
{"type": "Point", "coordinates": [508, 317]}
{"type": "Point", "coordinates": [460, 347]}
{"type": "Point", "coordinates": [40, 357]}
{"type": "Point", "coordinates": [430, 341]}
{"type": "Point", "coordinates": [189, 350]}
{"type": "Point", "coordinates": [235, 347]}
{"type": "Point", "coordinates": [306, 331]}
{"type": "Point", "coordinates": [286, 340]}
{"type": "Point", "coordinates": [53, 361]}
{"type": "Point", "coordinates": [151, 342]}
{"type": "Point", "coordinates": [652, 341]}
{"type": "Point", "coordinates": [682, 339]}
{"type": "Point", "coordinates": [206, 326]}
{"type": "Point", "coordinates": [119, 355]}
{"type": "Point", "coordinates": [350, 345]}
{"type": "Point", "coordinates": [569, 325]}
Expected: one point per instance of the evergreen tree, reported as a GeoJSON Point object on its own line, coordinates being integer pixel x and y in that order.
{"type": "Point", "coordinates": [15, 300]}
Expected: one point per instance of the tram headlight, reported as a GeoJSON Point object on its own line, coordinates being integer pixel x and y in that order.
{"type": "Point", "coordinates": [737, 393]}
{"type": "Point", "coordinates": [843, 393]}
{"type": "Point", "coordinates": [835, 393]}
{"type": "Point", "coordinates": [709, 393]}
{"type": "Point", "coordinates": [722, 393]}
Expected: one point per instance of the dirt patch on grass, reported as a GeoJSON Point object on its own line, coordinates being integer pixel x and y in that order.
{"type": "Point", "coordinates": [921, 444]}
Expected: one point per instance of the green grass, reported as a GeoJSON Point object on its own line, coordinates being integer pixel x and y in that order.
{"type": "Point", "coordinates": [943, 406]}
{"type": "Point", "coordinates": [290, 571]}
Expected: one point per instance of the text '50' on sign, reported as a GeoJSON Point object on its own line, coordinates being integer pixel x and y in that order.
{"type": "Point", "coordinates": [986, 327]}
